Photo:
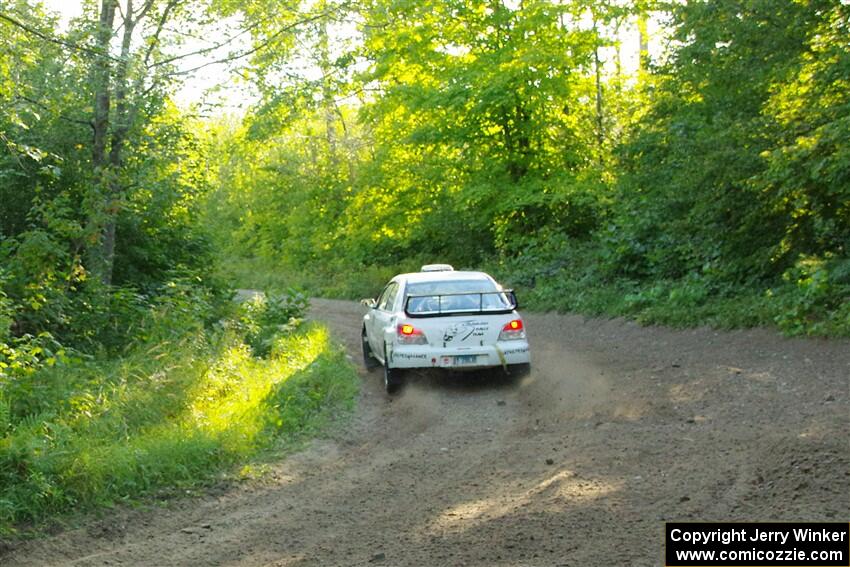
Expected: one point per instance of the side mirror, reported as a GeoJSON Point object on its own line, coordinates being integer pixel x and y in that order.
{"type": "Point", "coordinates": [369, 302]}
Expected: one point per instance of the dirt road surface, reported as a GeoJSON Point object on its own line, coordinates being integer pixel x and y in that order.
{"type": "Point", "coordinates": [617, 429]}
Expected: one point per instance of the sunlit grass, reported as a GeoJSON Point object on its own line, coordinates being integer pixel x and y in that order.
{"type": "Point", "coordinates": [104, 432]}
{"type": "Point", "coordinates": [238, 387]}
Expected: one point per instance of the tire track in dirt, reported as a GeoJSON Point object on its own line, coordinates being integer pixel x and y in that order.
{"type": "Point", "coordinates": [617, 428]}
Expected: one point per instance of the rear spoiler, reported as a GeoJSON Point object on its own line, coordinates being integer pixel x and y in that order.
{"type": "Point", "coordinates": [463, 303]}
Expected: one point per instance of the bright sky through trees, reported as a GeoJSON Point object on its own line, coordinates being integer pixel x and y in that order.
{"type": "Point", "coordinates": [221, 85]}
{"type": "Point", "coordinates": [215, 84]}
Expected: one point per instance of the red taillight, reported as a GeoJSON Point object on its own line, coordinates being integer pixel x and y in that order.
{"type": "Point", "coordinates": [410, 335]}
{"type": "Point", "coordinates": [512, 330]}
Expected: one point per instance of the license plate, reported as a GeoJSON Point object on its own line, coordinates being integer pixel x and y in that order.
{"type": "Point", "coordinates": [465, 359]}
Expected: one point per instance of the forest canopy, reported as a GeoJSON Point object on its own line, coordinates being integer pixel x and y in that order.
{"type": "Point", "coordinates": [683, 163]}
{"type": "Point", "coordinates": [680, 162]}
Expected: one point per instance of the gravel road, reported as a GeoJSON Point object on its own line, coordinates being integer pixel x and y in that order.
{"type": "Point", "coordinates": [617, 429]}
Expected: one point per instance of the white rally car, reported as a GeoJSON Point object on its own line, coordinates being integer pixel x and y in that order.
{"type": "Point", "coordinates": [441, 318]}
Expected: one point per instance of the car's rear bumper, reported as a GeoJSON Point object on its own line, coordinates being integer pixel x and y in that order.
{"type": "Point", "coordinates": [488, 356]}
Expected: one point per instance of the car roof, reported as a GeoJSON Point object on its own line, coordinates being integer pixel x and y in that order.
{"type": "Point", "coordinates": [416, 277]}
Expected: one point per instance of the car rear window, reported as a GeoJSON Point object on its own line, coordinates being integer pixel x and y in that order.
{"type": "Point", "coordinates": [455, 296]}
{"type": "Point", "coordinates": [450, 286]}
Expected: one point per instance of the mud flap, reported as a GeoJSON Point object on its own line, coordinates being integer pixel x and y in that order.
{"type": "Point", "coordinates": [502, 359]}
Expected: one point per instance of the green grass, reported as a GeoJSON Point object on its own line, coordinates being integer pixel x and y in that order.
{"type": "Point", "coordinates": [660, 303]}
{"type": "Point", "coordinates": [691, 303]}
{"type": "Point", "coordinates": [177, 414]}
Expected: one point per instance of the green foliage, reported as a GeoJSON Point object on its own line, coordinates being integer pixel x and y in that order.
{"type": "Point", "coordinates": [698, 191]}
{"type": "Point", "coordinates": [55, 203]}
{"type": "Point", "coordinates": [816, 297]}
{"type": "Point", "coordinates": [175, 411]}
{"type": "Point", "coordinates": [686, 193]}
{"type": "Point", "coordinates": [269, 316]}
{"type": "Point", "coordinates": [102, 378]}
{"type": "Point", "coordinates": [469, 145]}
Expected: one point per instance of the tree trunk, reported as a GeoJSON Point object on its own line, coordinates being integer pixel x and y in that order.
{"type": "Point", "coordinates": [328, 102]}
{"type": "Point", "coordinates": [597, 69]}
{"type": "Point", "coordinates": [101, 78]}
{"type": "Point", "coordinates": [643, 41]}
{"type": "Point", "coordinates": [113, 197]}
{"type": "Point", "coordinates": [618, 56]}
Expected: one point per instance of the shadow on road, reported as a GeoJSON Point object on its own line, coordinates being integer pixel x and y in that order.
{"type": "Point", "coordinates": [469, 381]}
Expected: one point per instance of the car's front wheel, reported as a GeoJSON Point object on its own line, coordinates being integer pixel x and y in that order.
{"type": "Point", "coordinates": [393, 377]}
{"type": "Point", "coordinates": [369, 360]}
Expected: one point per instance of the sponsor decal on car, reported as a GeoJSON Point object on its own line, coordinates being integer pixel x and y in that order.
{"type": "Point", "coordinates": [515, 350]}
{"type": "Point", "coordinates": [464, 330]}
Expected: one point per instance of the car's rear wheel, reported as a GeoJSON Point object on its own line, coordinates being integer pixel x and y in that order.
{"type": "Point", "coordinates": [393, 377]}
{"type": "Point", "coordinates": [369, 360]}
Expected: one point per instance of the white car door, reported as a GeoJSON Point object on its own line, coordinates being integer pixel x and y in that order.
{"type": "Point", "coordinates": [369, 320]}
{"type": "Point", "coordinates": [382, 316]}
